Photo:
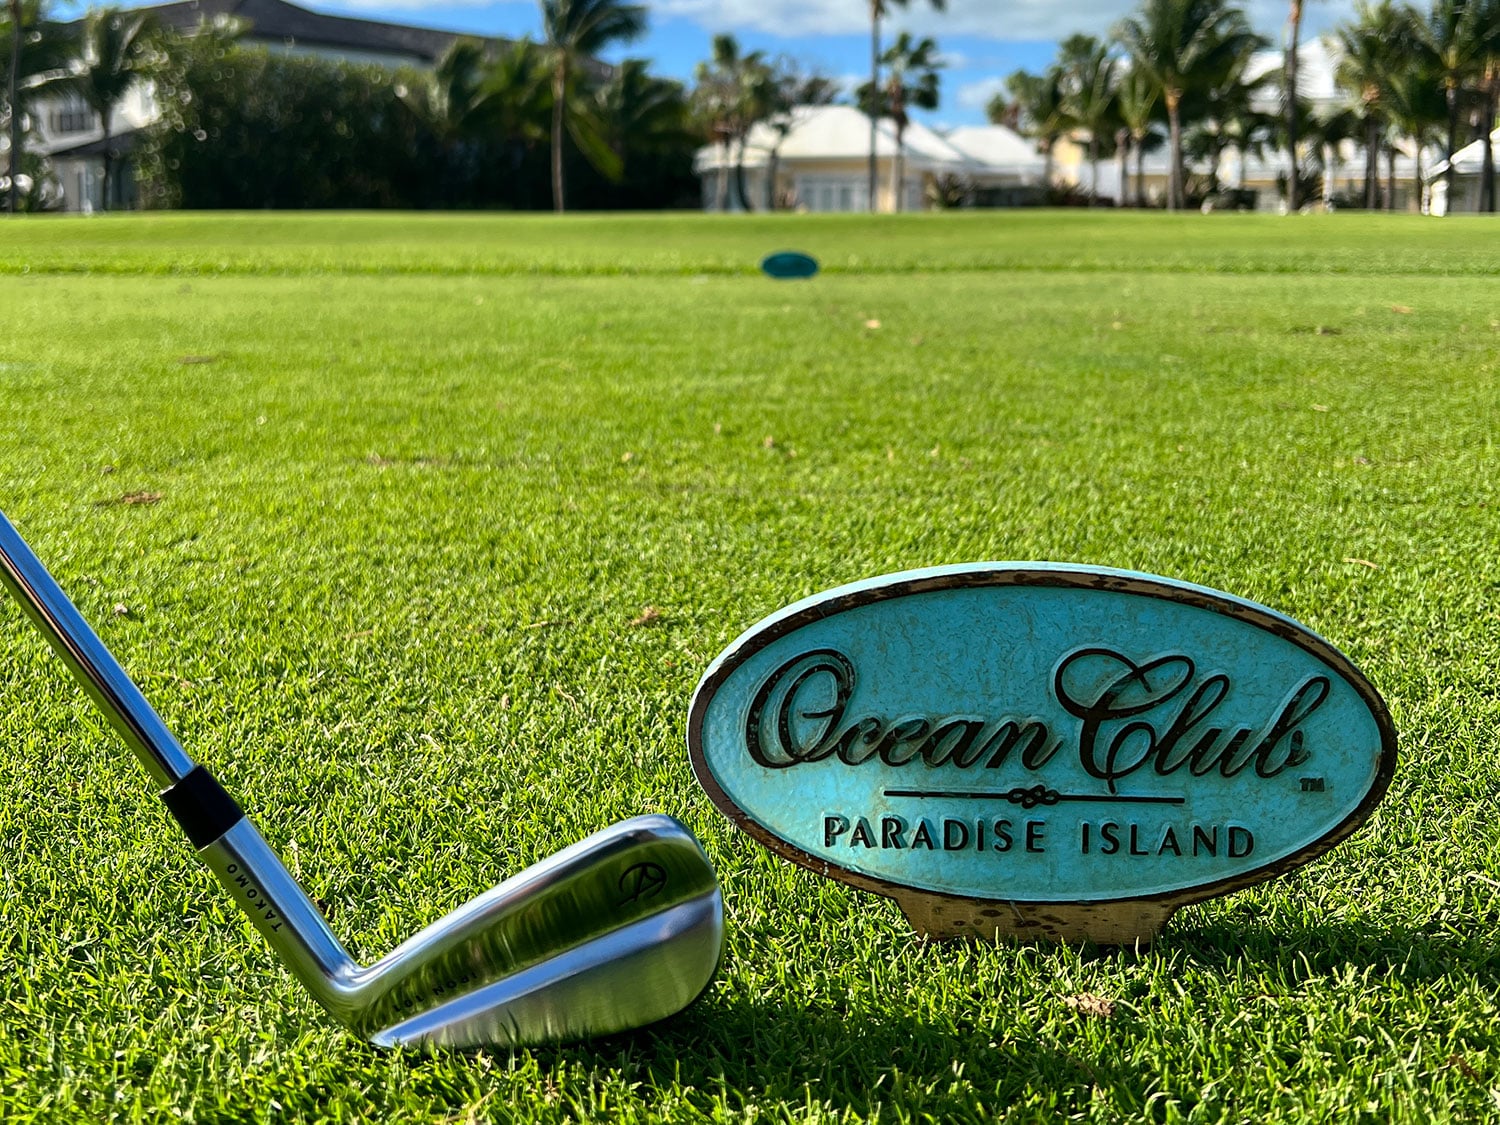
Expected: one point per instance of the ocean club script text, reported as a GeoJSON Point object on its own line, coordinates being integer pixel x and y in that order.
{"type": "Point", "coordinates": [1157, 715]}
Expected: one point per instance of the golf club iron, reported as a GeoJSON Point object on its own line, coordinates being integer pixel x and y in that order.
{"type": "Point", "coordinates": [617, 931]}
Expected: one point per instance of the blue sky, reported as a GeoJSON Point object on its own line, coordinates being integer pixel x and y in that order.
{"type": "Point", "coordinates": [983, 40]}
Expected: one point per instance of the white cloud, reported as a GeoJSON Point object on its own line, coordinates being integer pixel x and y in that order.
{"type": "Point", "coordinates": [985, 19]}
{"type": "Point", "coordinates": [977, 95]}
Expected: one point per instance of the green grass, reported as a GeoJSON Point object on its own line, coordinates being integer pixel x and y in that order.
{"type": "Point", "coordinates": [420, 476]}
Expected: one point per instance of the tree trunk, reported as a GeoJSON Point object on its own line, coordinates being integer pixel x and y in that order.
{"type": "Point", "coordinates": [1487, 167]}
{"type": "Point", "coordinates": [13, 98]}
{"type": "Point", "coordinates": [1390, 175]}
{"type": "Point", "coordinates": [1140, 172]}
{"type": "Point", "coordinates": [771, 168]}
{"type": "Point", "coordinates": [559, 88]}
{"type": "Point", "coordinates": [1416, 180]}
{"type": "Point", "coordinates": [739, 175]}
{"type": "Point", "coordinates": [721, 190]}
{"type": "Point", "coordinates": [1372, 164]}
{"type": "Point", "coordinates": [1122, 165]}
{"type": "Point", "coordinates": [1452, 92]}
{"type": "Point", "coordinates": [1046, 170]}
{"type": "Point", "coordinates": [896, 169]}
{"type": "Point", "coordinates": [1330, 172]}
{"type": "Point", "coordinates": [108, 161]}
{"type": "Point", "coordinates": [1093, 169]}
{"type": "Point", "coordinates": [1293, 199]}
{"type": "Point", "coordinates": [874, 90]}
{"type": "Point", "coordinates": [1175, 201]}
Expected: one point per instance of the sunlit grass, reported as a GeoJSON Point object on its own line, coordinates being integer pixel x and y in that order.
{"type": "Point", "coordinates": [374, 508]}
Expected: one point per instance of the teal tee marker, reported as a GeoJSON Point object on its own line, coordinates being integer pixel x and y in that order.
{"type": "Point", "coordinates": [1039, 749]}
{"type": "Point", "coordinates": [787, 264]}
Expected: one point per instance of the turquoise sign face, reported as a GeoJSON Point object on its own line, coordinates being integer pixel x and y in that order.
{"type": "Point", "coordinates": [1037, 733]}
{"type": "Point", "coordinates": [789, 264]}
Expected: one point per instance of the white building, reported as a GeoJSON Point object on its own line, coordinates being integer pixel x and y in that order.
{"type": "Point", "coordinates": [1468, 166]}
{"type": "Point", "coordinates": [821, 162]}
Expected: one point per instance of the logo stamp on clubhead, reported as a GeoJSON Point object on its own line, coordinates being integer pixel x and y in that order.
{"type": "Point", "coordinates": [643, 880]}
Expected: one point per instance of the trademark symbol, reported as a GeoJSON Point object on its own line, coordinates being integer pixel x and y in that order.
{"type": "Point", "coordinates": [644, 880]}
{"type": "Point", "coordinates": [1312, 785]}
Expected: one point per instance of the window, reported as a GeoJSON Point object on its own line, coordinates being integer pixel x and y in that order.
{"type": "Point", "coordinates": [828, 193]}
{"type": "Point", "coordinates": [72, 116]}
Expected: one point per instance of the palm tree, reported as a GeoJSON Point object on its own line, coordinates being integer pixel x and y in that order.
{"type": "Point", "coordinates": [1037, 105]}
{"type": "Point", "coordinates": [791, 87]}
{"type": "Point", "coordinates": [455, 106]}
{"type": "Point", "coordinates": [1088, 75]}
{"type": "Point", "coordinates": [1452, 36]}
{"type": "Point", "coordinates": [1136, 98]}
{"type": "Point", "coordinates": [112, 55]}
{"type": "Point", "coordinates": [1329, 133]}
{"type": "Point", "coordinates": [518, 94]}
{"type": "Point", "coordinates": [576, 31]}
{"type": "Point", "coordinates": [734, 91]}
{"type": "Point", "coordinates": [1370, 52]}
{"type": "Point", "coordinates": [912, 80]}
{"type": "Point", "coordinates": [1289, 104]}
{"type": "Point", "coordinates": [643, 114]}
{"type": "Point", "coordinates": [1488, 88]}
{"type": "Point", "coordinates": [879, 9]}
{"type": "Point", "coordinates": [1225, 114]}
{"type": "Point", "coordinates": [1177, 42]}
{"type": "Point", "coordinates": [1415, 105]}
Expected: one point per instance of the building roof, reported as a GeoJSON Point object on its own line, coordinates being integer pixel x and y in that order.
{"type": "Point", "coordinates": [1317, 62]}
{"type": "Point", "coordinates": [998, 147]}
{"type": "Point", "coordinates": [839, 132]}
{"type": "Point", "coordinates": [1469, 160]}
{"type": "Point", "coordinates": [280, 22]}
{"type": "Point", "coordinates": [120, 144]}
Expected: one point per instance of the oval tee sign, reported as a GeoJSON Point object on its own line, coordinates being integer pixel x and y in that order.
{"type": "Point", "coordinates": [1033, 749]}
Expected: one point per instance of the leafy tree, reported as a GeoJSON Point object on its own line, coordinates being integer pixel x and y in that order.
{"type": "Point", "coordinates": [575, 32]}
{"type": "Point", "coordinates": [1179, 43]}
{"type": "Point", "coordinates": [112, 57]}
{"type": "Point", "coordinates": [35, 52]}
{"type": "Point", "coordinates": [13, 100]}
{"type": "Point", "coordinates": [879, 9]}
{"type": "Point", "coordinates": [912, 80]}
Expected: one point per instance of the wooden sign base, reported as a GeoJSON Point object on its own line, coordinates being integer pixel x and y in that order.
{"type": "Point", "coordinates": [942, 918]}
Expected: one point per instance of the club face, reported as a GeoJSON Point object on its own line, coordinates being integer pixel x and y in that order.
{"type": "Point", "coordinates": [618, 930]}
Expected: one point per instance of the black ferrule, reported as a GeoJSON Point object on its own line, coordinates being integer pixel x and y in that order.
{"type": "Point", "coordinates": [202, 807]}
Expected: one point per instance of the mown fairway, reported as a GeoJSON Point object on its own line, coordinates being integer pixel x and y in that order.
{"type": "Point", "coordinates": [420, 531]}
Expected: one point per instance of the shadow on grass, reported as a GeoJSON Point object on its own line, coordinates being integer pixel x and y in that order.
{"type": "Point", "coordinates": [1298, 952]}
{"type": "Point", "coordinates": [740, 1054]}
